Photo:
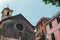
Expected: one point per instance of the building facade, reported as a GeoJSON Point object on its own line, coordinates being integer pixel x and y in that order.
{"type": "Point", "coordinates": [41, 29]}
{"type": "Point", "coordinates": [15, 27]}
{"type": "Point", "coordinates": [53, 28]}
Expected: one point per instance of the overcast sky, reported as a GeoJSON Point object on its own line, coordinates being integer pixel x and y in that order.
{"type": "Point", "coordinates": [32, 10]}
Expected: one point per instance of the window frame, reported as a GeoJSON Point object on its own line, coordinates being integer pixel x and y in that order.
{"type": "Point", "coordinates": [7, 13]}
{"type": "Point", "coordinates": [17, 29]}
{"type": "Point", "coordinates": [57, 19]}
{"type": "Point", "coordinates": [50, 25]}
{"type": "Point", "coordinates": [53, 36]}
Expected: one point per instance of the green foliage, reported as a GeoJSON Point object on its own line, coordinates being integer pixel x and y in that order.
{"type": "Point", "coordinates": [53, 2]}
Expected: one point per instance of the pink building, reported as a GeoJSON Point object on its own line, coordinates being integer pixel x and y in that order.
{"type": "Point", "coordinates": [53, 28]}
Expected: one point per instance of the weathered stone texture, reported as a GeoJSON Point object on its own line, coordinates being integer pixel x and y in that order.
{"type": "Point", "coordinates": [10, 31]}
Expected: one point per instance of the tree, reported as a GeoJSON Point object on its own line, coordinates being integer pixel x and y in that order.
{"type": "Point", "coordinates": [53, 2]}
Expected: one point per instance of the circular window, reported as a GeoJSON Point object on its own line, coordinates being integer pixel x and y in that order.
{"type": "Point", "coordinates": [19, 27]}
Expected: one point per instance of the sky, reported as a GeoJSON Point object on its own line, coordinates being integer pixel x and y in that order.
{"type": "Point", "coordinates": [32, 10]}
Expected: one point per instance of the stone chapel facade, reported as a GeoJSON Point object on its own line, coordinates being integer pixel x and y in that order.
{"type": "Point", "coordinates": [15, 27]}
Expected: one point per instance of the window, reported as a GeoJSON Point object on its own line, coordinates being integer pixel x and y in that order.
{"type": "Point", "coordinates": [59, 30]}
{"type": "Point", "coordinates": [42, 32]}
{"type": "Point", "coordinates": [52, 36]}
{"type": "Point", "coordinates": [19, 27]}
{"type": "Point", "coordinates": [7, 13]}
{"type": "Point", "coordinates": [50, 24]}
{"type": "Point", "coordinates": [58, 19]}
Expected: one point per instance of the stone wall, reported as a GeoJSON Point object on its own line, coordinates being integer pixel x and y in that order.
{"type": "Point", "coordinates": [10, 31]}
